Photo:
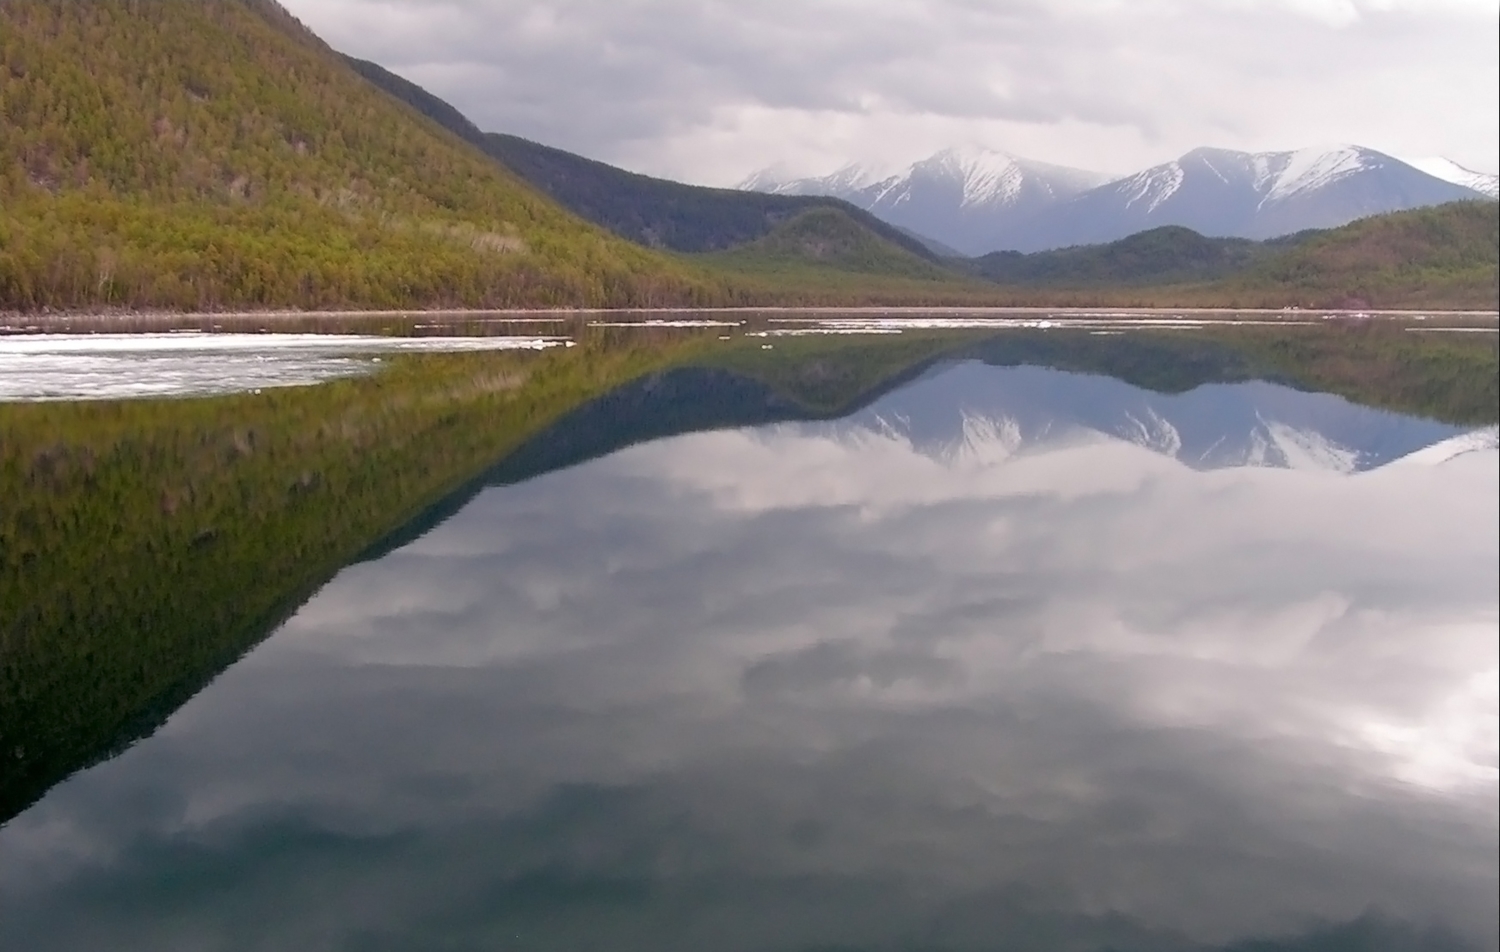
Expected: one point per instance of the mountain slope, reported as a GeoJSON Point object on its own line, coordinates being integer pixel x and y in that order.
{"type": "Point", "coordinates": [972, 200]}
{"type": "Point", "coordinates": [213, 153]}
{"type": "Point", "coordinates": [1447, 256]}
{"type": "Point", "coordinates": [831, 239]}
{"type": "Point", "coordinates": [666, 214]}
{"type": "Point", "coordinates": [1441, 257]}
{"type": "Point", "coordinates": [1485, 183]}
{"type": "Point", "coordinates": [1223, 193]}
{"type": "Point", "coordinates": [650, 211]}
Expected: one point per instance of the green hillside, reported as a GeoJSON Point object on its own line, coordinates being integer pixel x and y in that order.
{"type": "Point", "coordinates": [1442, 257]}
{"type": "Point", "coordinates": [1447, 256]}
{"type": "Point", "coordinates": [825, 249]}
{"type": "Point", "coordinates": [1166, 255]}
{"type": "Point", "coordinates": [213, 153]}
{"type": "Point", "coordinates": [650, 211]}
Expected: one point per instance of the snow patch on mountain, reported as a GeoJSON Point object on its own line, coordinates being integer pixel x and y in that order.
{"type": "Point", "coordinates": [847, 179]}
{"type": "Point", "coordinates": [1485, 183]}
{"type": "Point", "coordinates": [1306, 170]}
{"type": "Point", "coordinates": [1154, 186]}
{"type": "Point", "coordinates": [983, 177]}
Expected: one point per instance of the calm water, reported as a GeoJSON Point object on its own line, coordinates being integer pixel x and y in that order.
{"type": "Point", "coordinates": [996, 657]}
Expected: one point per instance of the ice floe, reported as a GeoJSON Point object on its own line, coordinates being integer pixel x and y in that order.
{"type": "Point", "coordinates": [36, 367]}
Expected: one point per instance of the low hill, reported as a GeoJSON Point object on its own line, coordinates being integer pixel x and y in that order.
{"type": "Point", "coordinates": [214, 153]}
{"type": "Point", "coordinates": [823, 243]}
{"type": "Point", "coordinates": [1167, 255]}
{"type": "Point", "coordinates": [1440, 257]}
{"type": "Point", "coordinates": [650, 211]}
{"type": "Point", "coordinates": [1447, 256]}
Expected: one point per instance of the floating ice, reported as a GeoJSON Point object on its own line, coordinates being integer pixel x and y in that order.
{"type": "Point", "coordinates": [36, 367]}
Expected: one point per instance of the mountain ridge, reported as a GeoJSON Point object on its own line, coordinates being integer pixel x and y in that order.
{"type": "Point", "coordinates": [978, 202]}
{"type": "Point", "coordinates": [657, 213]}
{"type": "Point", "coordinates": [1485, 183]}
{"type": "Point", "coordinates": [964, 198]}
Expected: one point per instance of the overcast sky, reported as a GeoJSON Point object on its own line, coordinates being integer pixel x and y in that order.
{"type": "Point", "coordinates": [709, 91]}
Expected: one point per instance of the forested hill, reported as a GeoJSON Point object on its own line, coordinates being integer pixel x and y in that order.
{"type": "Point", "coordinates": [1167, 255]}
{"type": "Point", "coordinates": [828, 238]}
{"type": "Point", "coordinates": [1447, 256]}
{"type": "Point", "coordinates": [213, 153]}
{"type": "Point", "coordinates": [651, 211]}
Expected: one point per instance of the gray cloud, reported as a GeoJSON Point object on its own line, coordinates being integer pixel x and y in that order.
{"type": "Point", "coordinates": [709, 90]}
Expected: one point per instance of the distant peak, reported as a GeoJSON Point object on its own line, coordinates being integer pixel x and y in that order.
{"type": "Point", "coordinates": [1485, 183]}
{"type": "Point", "coordinates": [766, 180]}
{"type": "Point", "coordinates": [1213, 152]}
{"type": "Point", "coordinates": [983, 176]}
{"type": "Point", "coordinates": [1289, 173]}
{"type": "Point", "coordinates": [973, 155]}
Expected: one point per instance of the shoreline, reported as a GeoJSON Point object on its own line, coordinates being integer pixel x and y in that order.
{"type": "Point", "coordinates": [32, 319]}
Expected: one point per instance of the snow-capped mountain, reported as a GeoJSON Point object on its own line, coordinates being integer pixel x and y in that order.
{"type": "Point", "coordinates": [968, 199]}
{"type": "Point", "coordinates": [984, 413]}
{"type": "Point", "coordinates": [1222, 193]}
{"type": "Point", "coordinates": [977, 201]}
{"type": "Point", "coordinates": [1485, 183]}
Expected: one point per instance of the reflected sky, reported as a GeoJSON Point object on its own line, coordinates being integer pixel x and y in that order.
{"type": "Point", "coordinates": [820, 686]}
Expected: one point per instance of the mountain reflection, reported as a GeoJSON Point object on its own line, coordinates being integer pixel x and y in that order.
{"type": "Point", "coordinates": [975, 668]}
{"type": "Point", "coordinates": [977, 410]}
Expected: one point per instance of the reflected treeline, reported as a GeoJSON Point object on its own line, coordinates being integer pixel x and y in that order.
{"type": "Point", "coordinates": [146, 545]}
{"type": "Point", "coordinates": [1451, 377]}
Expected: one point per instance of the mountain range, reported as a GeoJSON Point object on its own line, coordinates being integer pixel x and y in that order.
{"type": "Point", "coordinates": [964, 199]}
{"type": "Point", "coordinates": [976, 201]}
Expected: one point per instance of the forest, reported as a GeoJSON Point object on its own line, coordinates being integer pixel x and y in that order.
{"type": "Point", "coordinates": [202, 154]}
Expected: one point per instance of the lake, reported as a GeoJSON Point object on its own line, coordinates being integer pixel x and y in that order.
{"type": "Point", "coordinates": [803, 633]}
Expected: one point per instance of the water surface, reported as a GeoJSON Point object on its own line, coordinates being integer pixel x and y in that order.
{"type": "Point", "coordinates": [997, 657]}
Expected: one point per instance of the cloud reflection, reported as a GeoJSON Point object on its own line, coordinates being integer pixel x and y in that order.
{"type": "Point", "coordinates": [811, 688]}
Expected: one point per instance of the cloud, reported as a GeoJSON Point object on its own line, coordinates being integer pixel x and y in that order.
{"type": "Point", "coordinates": [710, 90]}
